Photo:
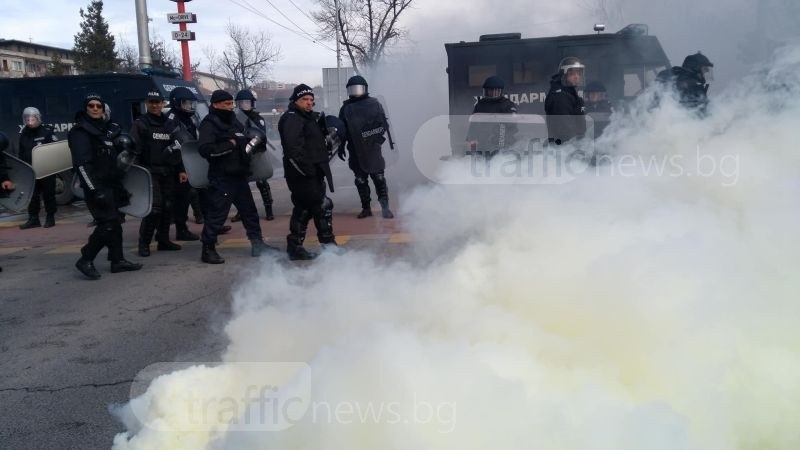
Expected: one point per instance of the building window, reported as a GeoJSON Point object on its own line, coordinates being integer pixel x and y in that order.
{"type": "Point", "coordinates": [526, 73]}
{"type": "Point", "coordinates": [16, 66]}
{"type": "Point", "coordinates": [5, 65]}
{"type": "Point", "coordinates": [479, 74]}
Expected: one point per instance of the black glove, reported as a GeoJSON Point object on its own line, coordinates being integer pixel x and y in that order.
{"type": "Point", "coordinates": [125, 160]}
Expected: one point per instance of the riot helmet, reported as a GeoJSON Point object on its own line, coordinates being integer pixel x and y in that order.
{"type": "Point", "coordinates": [31, 117]}
{"type": "Point", "coordinates": [357, 86]}
{"type": "Point", "coordinates": [573, 72]}
{"type": "Point", "coordinates": [493, 87]}
{"type": "Point", "coordinates": [182, 99]}
{"type": "Point", "coordinates": [700, 64]}
{"type": "Point", "coordinates": [246, 100]}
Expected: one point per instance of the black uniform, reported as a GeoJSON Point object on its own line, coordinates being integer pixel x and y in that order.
{"type": "Point", "coordinates": [492, 136]}
{"type": "Point", "coordinates": [305, 165]}
{"type": "Point", "coordinates": [45, 188]}
{"type": "Point", "coordinates": [185, 195]}
{"type": "Point", "coordinates": [690, 84]}
{"type": "Point", "coordinates": [154, 148]}
{"type": "Point", "coordinates": [228, 169]}
{"type": "Point", "coordinates": [366, 124]}
{"type": "Point", "coordinates": [94, 159]}
{"type": "Point", "coordinates": [254, 119]}
{"type": "Point", "coordinates": [565, 112]}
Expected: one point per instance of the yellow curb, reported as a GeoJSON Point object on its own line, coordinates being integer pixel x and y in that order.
{"type": "Point", "coordinates": [9, 250]}
{"type": "Point", "coordinates": [234, 243]}
{"type": "Point", "coordinates": [341, 240]}
{"type": "Point", "coordinates": [400, 238]}
{"type": "Point", "coordinates": [65, 250]}
{"type": "Point", "coordinates": [11, 224]}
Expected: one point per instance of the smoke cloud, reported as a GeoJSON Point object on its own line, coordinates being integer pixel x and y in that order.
{"type": "Point", "coordinates": [617, 311]}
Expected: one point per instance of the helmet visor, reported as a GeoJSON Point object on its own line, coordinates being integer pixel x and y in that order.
{"type": "Point", "coordinates": [574, 76]}
{"type": "Point", "coordinates": [356, 90]}
{"type": "Point", "coordinates": [245, 105]}
{"type": "Point", "coordinates": [188, 105]}
{"type": "Point", "coordinates": [708, 73]}
{"type": "Point", "coordinates": [31, 120]}
{"type": "Point", "coordinates": [493, 92]}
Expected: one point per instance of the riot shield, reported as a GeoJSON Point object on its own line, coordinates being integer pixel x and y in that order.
{"type": "Point", "coordinates": [50, 159]}
{"type": "Point", "coordinates": [137, 181]}
{"type": "Point", "coordinates": [260, 167]}
{"type": "Point", "coordinates": [24, 179]}
{"type": "Point", "coordinates": [196, 166]}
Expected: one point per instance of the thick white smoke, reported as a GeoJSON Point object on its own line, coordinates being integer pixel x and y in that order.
{"type": "Point", "coordinates": [622, 310]}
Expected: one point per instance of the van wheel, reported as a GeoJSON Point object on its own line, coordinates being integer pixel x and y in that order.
{"type": "Point", "coordinates": [63, 191]}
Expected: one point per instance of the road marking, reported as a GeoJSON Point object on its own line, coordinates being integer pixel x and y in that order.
{"type": "Point", "coordinates": [65, 250]}
{"type": "Point", "coordinates": [400, 238]}
{"type": "Point", "coordinates": [9, 250]}
{"type": "Point", "coordinates": [234, 243]}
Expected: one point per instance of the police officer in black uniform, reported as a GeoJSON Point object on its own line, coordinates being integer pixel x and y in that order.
{"type": "Point", "coordinates": [564, 107]}
{"type": "Point", "coordinates": [491, 137]}
{"type": "Point", "coordinates": [366, 124]}
{"type": "Point", "coordinates": [6, 185]}
{"type": "Point", "coordinates": [305, 165]}
{"type": "Point", "coordinates": [157, 151]}
{"type": "Point", "coordinates": [596, 98]}
{"type": "Point", "coordinates": [691, 81]}
{"type": "Point", "coordinates": [224, 143]}
{"type": "Point", "coordinates": [183, 104]}
{"type": "Point", "coordinates": [34, 133]}
{"type": "Point", "coordinates": [97, 145]}
{"type": "Point", "coordinates": [249, 117]}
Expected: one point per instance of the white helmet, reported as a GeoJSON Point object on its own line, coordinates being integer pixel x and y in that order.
{"type": "Point", "coordinates": [31, 117]}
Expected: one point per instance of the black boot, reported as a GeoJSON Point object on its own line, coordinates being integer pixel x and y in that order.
{"type": "Point", "coordinates": [167, 245]}
{"type": "Point", "coordinates": [198, 219]}
{"type": "Point", "coordinates": [87, 268]}
{"type": "Point", "coordinates": [33, 222]}
{"type": "Point", "coordinates": [146, 229]}
{"type": "Point", "coordinates": [210, 255]}
{"type": "Point", "coordinates": [259, 247]}
{"type": "Point", "coordinates": [266, 197]}
{"type": "Point", "coordinates": [298, 224]}
{"type": "Point", "coordinates": [362, 185]}
{"type": "Point", "coordinates": [382, 189]}
{"type": "Point", "coordinates": [268, 214]}
{"type": "Point", "coordinates": [225, 229]}
{"type": "Point", "coordinates": [144, 249]}
{"type": "Point", "coordinates": [182, 233]}
{"type": "Point", "coordinates": [300, 254]}
{"type": "Point", "coordinates": [124, 265]}
{"type": "Point", "coordinates": [236, 217]}
{"type": "Point", "coordinates": [50, 220]}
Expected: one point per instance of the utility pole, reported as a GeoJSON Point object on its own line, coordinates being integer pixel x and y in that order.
{"type": "Point", "coordinates": [143, 32]}
{"type": "Point", "coordinates": [338, 57]}
{"type": "Point", "coordinates": [183, 35]}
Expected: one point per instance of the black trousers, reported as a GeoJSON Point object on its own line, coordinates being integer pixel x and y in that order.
{"type": "Point", "coordinates": [218, 198]}
{"type": "Point", "coordinates": [102, 204]}
{"type": "Point", "coordinates": [44, 189]}
{"type": "Point", "coordinates": [310, 202]}
{"type": "Point", "coordinates": [164, 186]}
{"type": "Point", "coordinates": [185, 195]}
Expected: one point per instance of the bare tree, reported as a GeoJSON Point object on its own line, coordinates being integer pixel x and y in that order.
{"type": "Point", "coordinates": [247, 59]}
{"type": "Point", "coordinates": [162, 56]}
{"type": "Point", "coordinates": [367, 28]}
{"type": "Point", "coordinates": [609, 12]}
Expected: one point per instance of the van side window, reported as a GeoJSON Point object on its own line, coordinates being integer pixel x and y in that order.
{"type": "Point", "coordinates": [526, 73]}
{"type": "Point", "coordinates": [479, 74]}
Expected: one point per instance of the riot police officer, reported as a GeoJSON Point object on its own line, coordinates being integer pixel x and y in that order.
{"type": "Point", "coordinates": [249, 117]}
{"type": "Point", "coordinates": [33, 134]}
{"type": "Point", "coordinates": [490, 137]}
{"type": "Point", "coordinates": [305, 165]}
{"type": "Point", "coordinates": [95, 144]}
{"type": "Point", "coordinates": [160, 155]}
{"type": "Point", "coordinates": [564, 107]}
{"type": "Point", "coordinates": [691, 81]}
{"type": "Point", "coordinates": [366, 124]}
{"type": "Point", "coordinates": [228, 150]}
{"type": "Point", "coordinates": [596, 98]}
{"type": "Point", "coordinates": [183, 104]}
{"type": "Point", "coordinates": [6, 185]}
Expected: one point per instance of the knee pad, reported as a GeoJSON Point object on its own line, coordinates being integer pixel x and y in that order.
{"type": "Point", "coordinates": [378, 177]}
{"type": "Point", "coordinates": [327, 204]}
{"type": "Point", "coordinates": [361, 181]}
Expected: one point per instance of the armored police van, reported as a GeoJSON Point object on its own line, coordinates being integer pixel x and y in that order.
{"type": "Point", "coordinates": [626, 62]}
{"type": "Point", "coordinates": [60, 97]}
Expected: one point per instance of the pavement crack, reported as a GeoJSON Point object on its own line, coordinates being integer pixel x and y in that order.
{"type": "Point", "coordinates": [64, 388]}
{"type": "Point", "coordinates": [181, 305]}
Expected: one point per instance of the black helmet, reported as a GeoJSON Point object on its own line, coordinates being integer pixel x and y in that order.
{"type": "Point", "coordinates": [357, 86]}
{"type": "Point", "coordinates": [246, 100]}
{"type": "Point", "coordinates": [123, 142]}
{"type": "Point", "coordinates": [696, 62]}
{"type": "Point", "coordinates": [183, 99]}
{"type": "Point", "coordinates": [493, 87]}
{"type": "Point", "coordinates": [3, 141]}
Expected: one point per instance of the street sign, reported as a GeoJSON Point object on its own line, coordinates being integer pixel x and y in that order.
{"type": "Point", "coordinates": [182, 18]}
{"type": "Point", "coordinates": [183, 35]}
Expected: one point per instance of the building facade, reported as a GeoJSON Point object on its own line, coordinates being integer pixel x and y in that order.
{"type": "Point", "coordinates": [20, 59]}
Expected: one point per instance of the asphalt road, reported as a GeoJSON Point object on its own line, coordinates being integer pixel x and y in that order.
{"type": "Point", "coordinates": [69, 348]}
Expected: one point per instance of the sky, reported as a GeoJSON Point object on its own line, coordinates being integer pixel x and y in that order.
{"type": "Point", "coordinates": [717, 27]}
